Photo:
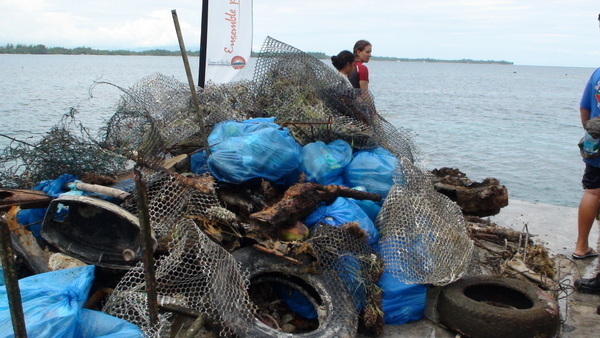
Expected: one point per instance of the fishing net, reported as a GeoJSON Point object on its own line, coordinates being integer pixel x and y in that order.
{"type": "Point", "coordinates": [423, 239]}
{"type": "Point", "coordinates": [192, 271]}
{"type": "Point", "coordinates": [67, 148]}
{"type": "Point", "coordinates": [423, 233]}
{"type": "Point", "coordinates": [357, 267]}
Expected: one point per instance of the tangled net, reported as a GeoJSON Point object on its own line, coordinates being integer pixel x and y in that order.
{"type": "Point", "coordinates": [66, 148]}
{"type": "Point", "coordinates": [424, 237]}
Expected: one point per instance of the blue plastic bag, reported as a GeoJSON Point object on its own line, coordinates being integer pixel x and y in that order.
{"type": "Point", "coordinates": [296, 301]}
{"type": "Point", "coordinates": [267, 152]}
{"type": "Point", "coordinates": [32, 218]}
{"type": "Point", "coordinates": [100, 324]}
{"type": "Point", "coordinates": [342, 211]}
{"type": "Point", "coordinates": [227, 129]}
{"type": "Point", "coordinates": [401, 303]}
{"type": "Point", "coordinates": [52, 306]}
{"type": "Point", "coordinates": [372, 169]}
{"type": "Point", "coordinates": [324, 163]}
{"type": "Point", "coordinates": [349, 271]}
{"type": "Point", "coordinates": [369, 207]}
{"type": "Point", "coordinates": [55, 188]}
{"type": "Point", "coordinates": [198, 163]}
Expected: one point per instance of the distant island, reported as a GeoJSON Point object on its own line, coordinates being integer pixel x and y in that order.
{"type": "Point", "coordinates": [43, 50]}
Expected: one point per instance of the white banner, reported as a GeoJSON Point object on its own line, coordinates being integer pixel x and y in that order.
{"type": "Point", "coordinates": [229, 43]}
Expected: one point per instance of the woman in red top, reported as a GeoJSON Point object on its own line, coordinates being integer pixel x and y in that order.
{"type": "Point", "coordinates": [362, 54]}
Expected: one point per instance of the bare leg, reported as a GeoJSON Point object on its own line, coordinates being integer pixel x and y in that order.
{"type": "Point", "coordinates": [588, 207]}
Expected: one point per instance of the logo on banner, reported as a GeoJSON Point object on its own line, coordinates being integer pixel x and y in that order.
{"type": "Point", "coordinates": [238, 62]}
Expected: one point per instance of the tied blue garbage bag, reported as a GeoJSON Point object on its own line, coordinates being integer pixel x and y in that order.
{"type": "Point", "coordinates": [401, 303]}
{"type": "Point", "coordinates": [370, 208]}
{"type": "Point", "coordinates": [340, 212]}
{"type": "Point", "coordinates": [198, 162]}
{"type": "Point", "coordinates": [372, 169]}
{"type": "Point", "coordinates": [324, 163]}
{"type": "Point", "coordinates": [268, 152]}
{"type": "Point", "coordinates": [52, 306]}
{"type": "Point", "coordinates": [227, 129]}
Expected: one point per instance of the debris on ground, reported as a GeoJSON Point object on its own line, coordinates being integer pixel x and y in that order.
{"type": "Point", "coordinates": [484, 198]}
{"type": "Point", "coordinates": [301, 172]}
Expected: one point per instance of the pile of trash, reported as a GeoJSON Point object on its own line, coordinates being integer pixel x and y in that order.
{"type": "Point", "coordinates": [285, 204]}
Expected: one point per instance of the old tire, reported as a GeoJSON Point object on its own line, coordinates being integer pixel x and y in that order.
{"type": "Point", "coordinates": [485, 306]}
{"type": "Point", "coordinates": [337, 316]}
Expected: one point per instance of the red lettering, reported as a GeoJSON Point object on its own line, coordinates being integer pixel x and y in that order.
{"type": "Point", "coordinates": [231, 17]}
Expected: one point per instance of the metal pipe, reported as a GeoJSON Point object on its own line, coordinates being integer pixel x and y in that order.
{"type": "Point", "coordinates": [11, 281]}
{"type": "Point", "coordinates": [203, 44]}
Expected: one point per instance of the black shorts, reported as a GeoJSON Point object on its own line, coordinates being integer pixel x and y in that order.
{"type": "Point", "coordinates": [591, 177]}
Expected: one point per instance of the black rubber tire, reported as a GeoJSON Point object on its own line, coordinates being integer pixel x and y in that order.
{"type": "Point", "coordinates": [336, 318]}
{"type": "Point", "coordinates": [486, 306]}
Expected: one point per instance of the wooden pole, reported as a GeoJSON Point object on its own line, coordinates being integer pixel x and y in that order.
{"type": "Point", "coordinates": [191, 82]}
{"type": "Point", "coordinates": [11, 282]}
{"type": "Point", "coordinates": [148, 253]}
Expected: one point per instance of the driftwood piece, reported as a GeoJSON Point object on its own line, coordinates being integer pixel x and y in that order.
{"type": "Point", "coordinates": [518, 266]}
{"type": "Point", "coordinates": [483, 198]}
{"type": "Point", "coordinates": [498, 235]}
{"type": "Point", "coordinates": [100, 189]}
{"type": "Point", "coordinates": [302, 199]}
{"type": "Point", "coordinates": [204, 184]}
{"type": "Point", "coordinates": [25, 244]}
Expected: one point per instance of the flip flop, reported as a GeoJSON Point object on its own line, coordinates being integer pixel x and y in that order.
{"type": "Point", "coordinates": [590, 253]}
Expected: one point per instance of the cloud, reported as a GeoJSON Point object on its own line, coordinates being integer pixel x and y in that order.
{"type": "Point", "coordinates": [513, 30]}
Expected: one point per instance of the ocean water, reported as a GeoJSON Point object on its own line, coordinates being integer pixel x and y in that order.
{"type": "Point", "coordinates": [518, 124]}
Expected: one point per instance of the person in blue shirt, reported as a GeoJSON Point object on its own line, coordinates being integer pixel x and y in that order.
{"type": "Point", "coordinates": [590, 201]}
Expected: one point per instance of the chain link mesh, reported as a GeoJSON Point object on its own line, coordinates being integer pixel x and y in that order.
{"type": "Point", "coordinates": [357, 266]}
{"type": "Point", "coordinates": [192, 271]}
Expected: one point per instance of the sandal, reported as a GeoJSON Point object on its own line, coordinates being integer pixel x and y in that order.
{"type": "Point", "coordinates": [590, 253]}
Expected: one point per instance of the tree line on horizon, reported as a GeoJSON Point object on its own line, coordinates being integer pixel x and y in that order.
{"type": "Point", "coordinates": [41, 49]}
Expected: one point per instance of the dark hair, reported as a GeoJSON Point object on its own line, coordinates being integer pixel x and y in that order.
{"type": "Point", "coordinates": [360, 45]}
{"type": "Point", "coordinates": [342, 59]}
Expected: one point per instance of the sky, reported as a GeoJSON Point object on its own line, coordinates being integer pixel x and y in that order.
{"type": "Point", "coordinates": [526, 32]}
